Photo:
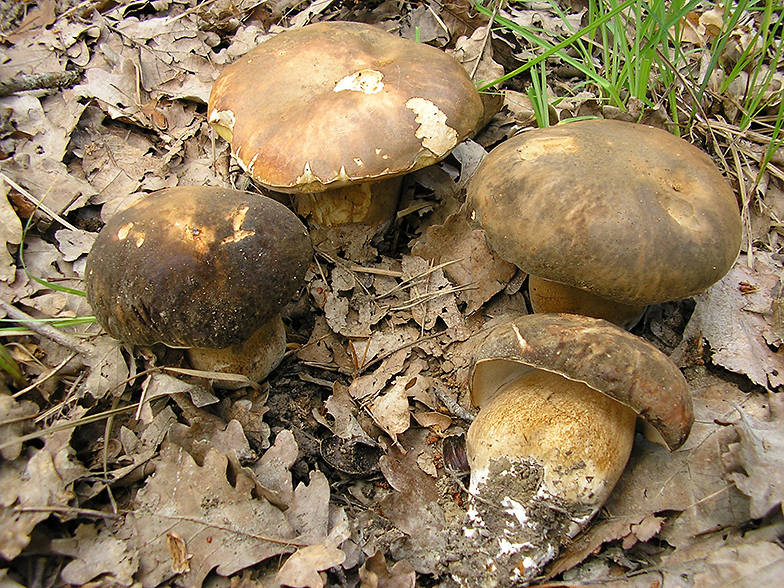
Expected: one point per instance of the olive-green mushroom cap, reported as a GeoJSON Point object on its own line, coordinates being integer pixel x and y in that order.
{"type": "Point", "coordinates": [595, 352]}
{"type": "Point", "coordinates": [625, 211]}
{"type": "Point", "coordinates": [337, 103]}
{"type": "Point", "coordinates": [195, 266]}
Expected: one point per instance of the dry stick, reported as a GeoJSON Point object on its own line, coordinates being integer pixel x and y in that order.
{"type": "Point", "coordinates": [383, 356]}
{"type": "Point", "coordinates": [69, 510]}
{"type": "Point", "coordinates": [432, 295]}
{"type": "Point", "coordinates": [745, 199]}
{"type": "Point", "coordinates": [65, 426]}
{"type": "Point", "coordinates": [226, 528]}
{"type": "Point", "coordinates": [486, 40]}
{"type": "Point", "coordinates": [38, 203]}
{"type": "Point", "coordinates": [44, 377]}
{"type": "Point", "coordinates": [38, 81]}
{"type": "Point", "coordinates": [452, 405]}
{"type": "Point", "coordinates": [48, 331]}
{"type": "Point", "coordinates": [413, 279]}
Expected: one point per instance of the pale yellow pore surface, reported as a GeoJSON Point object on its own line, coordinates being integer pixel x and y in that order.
{"type": "Point", "coordinates": [580, 437]}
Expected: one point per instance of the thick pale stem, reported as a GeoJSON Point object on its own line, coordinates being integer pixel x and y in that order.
{"type": "Point", "coordinates": [254, 358]}
{"type": "Point", "coordinates": [372, 203]}
{"type": "Point", "coordinates": [547, 296]}
{"type": "Point", "coordinates": [545, 453]}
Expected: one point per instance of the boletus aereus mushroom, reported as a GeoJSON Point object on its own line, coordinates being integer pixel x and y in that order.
{"type": "Point", "coordinates": [337, 112]}
{"type": "Point", "coordinates": [607, 217]}
{"type": "Point", "coordinates": [558, 398]}
{"type": "Point", "coordinates": [204, 268]}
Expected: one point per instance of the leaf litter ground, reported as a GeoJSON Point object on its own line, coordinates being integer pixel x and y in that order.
{"type": "Point", "coordinates": [339, 470]}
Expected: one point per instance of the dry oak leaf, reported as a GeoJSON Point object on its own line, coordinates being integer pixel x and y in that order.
{"type": "Point", "coordinates": [303, 569]}
{"type": "Point", "coordinates": [759, 455]}
{"type": "Point", "coordinates": [224, 527]}
{"type": "Point", "coordinates": [32, 483]}
{"type": "Point", "coordinates": [475, 266]}
{"type": "Point", "coordinates": [10, 234]}
{"type": "Point", "coordinates": [690, 480]}
{"type": "Point", "coordinates": [375, 574]}
{"type": "Point", "coordinates": [736, 318]}
{"type": "Point", "coordinates": [14, 422]}
{"type": "Point", "coordinates": [95, 554]}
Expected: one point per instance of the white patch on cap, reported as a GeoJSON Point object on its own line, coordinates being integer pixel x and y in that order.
{"type": "Point", "coordinates": [240, 161]}
{"type": "Point", "coordinates": [367, 81]}
{"type": "Point", "coordinates": [534, 148]}
{"type": "Point", "coordinates": [237, 217]}
{"type": "Point", "coordinates": [252, 163]}
{"type": "Point", "coordinates": [122, 233]}
{"type": "Point", "coordinates": [524, 346]}
{"type": "Point", "coordinates": [223, 122]}
{"type": "Point", "coordinates": [437, 136]}
{"type": "Point", "coordinates": [307, 176]}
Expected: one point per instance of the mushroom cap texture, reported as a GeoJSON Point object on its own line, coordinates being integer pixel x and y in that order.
{"type": "Point", "coordinates": [337, 103]}
{"type": "Point", "coordinates": [593, 351]}
{"type": "Point", "coordinates": [625, 211]}
{"type": "Point", "coordinates": [195, 266]}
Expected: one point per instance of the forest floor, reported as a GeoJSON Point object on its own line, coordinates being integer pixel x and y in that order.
{"type": "Point", "coordinates": [122, 467]}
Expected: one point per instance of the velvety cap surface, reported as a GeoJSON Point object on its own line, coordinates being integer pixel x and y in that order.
{"type": "Point", "coordinates": [625, 211]}
{"type": "Point", "coordinates": [595, 352]}
{"type": "Point", "coordinates": [336, 103]}
{"type": "Point", "coordinates": [195, 266]}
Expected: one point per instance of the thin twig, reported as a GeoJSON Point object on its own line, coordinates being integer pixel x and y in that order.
{"type": "Point", "coordinates": [65, 426]}
{"type": "Point", "coordinates": [452, 405]}
{"type": "Point", "coordinates": [46, 376]}
{"type": "Point", "coordinates": [88, 512]}
{"type": "Point", "coordinates": [432, 295]}
{"type": "Point", "coordinates": [391, 352]}
{"type": "Point", "coordinates": [38, 203]}
{"type": "Point", "coordinates": [48, 331]}
{"type": "Point", "coordinates": [486, 40]}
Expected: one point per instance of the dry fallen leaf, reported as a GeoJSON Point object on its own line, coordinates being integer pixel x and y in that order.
{"type": "Point", "coordinates": [224, 527]}
{"type": "Point", "coordinates": [303, 568]}
{"type": "Point", "coordinates": [756, 461]}
{"type": "Point", "coordinates": [735, 316]}
{"type": "Point", "coordinates": [14, 421]}
{"type": "Point", "coordinates": [414, 507]}
{"type": "Point", "coordinates": [690, 480]}
{"type": "Point", "coordinates": [10, 234]}
{"type": "Point", "coordinates": [374, 573]}
{"type": "Point", "coordinates": [97, 553]}
{"type": "Point", "coordinates": [476, 268]}
{"type": "Point", "coordinates": [30, 485]}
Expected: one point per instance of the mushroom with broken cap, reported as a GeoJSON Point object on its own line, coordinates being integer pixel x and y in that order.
{"type": "Point", "coordinates": [607, 217]}
{"type": "Point", "coordinates": [204, 268]}
{"type": "Point", "coordinates": [329, 110]}
{"type": "Point", "coordinates": [558, 398]}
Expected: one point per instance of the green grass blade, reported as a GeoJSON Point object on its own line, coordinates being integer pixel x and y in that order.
{"type": "Point", "coordinates": [8, 365]}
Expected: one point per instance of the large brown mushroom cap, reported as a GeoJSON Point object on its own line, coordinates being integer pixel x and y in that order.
{"type": "Point", "coordinates": [593, 351]}
{"type": "Point", "coordinates": [337, 103]}
{"type": "Point", "coordinates": [195, 266]}
{"type": "Point", "coordinates": [624, 211]}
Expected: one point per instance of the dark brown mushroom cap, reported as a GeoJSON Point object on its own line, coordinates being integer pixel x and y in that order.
{"type": "Point", "coordinates": [625, 211]}
{"type": "Point", "coordinates": [336, 103]}
{"type": "Point", "coordinates": [595, 352]}
{"type": "Point", "coordinates": [195, 266]}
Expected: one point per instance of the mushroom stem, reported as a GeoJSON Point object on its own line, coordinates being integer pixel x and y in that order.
{"type": "Point", "coordinates": [548, 296]}
{"type": "Point", "coordinates": [372, 203]}
{"type": "Point", "coordinates": [254, 358]}
{"type": "Point", "coordinates": [545, 453]}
